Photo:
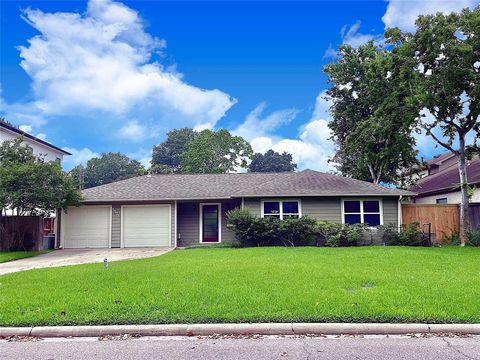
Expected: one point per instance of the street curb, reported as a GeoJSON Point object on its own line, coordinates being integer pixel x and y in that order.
{"type": "Point", "coordinates": [240, 329]}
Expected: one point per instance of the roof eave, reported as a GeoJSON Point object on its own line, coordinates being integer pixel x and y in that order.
{"type": "Point", "coordinates": [34, 138]}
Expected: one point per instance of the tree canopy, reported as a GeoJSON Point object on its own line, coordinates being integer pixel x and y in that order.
{"type": "Point", "coordinates": [31, 186]}
{"type": "Point", "coordinates": [272, 161]}
{"type": "Point", "coordinates": [107, 168]}
{"type": "Point", "coordinates": [372, 123]}
{"type": "Point", "coordinates": [442, 60]}
{"type": "Point", "coordinates": [169, 153]}
{"type": "Point", "coordinates": [215, 152]}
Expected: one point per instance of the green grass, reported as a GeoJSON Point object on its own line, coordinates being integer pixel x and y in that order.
{"type": "Point", "coordinates": [15, 255]}
{"type": "Point", "coordinates": [378, 284]}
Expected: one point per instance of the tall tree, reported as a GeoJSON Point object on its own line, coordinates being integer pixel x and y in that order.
{"type": "Point", "coordinates": [443, 56]}
{"type": "Point", "coordinates": [107, 168]}
{"type": "Point", "coordinates": [372, 123]}
{"type": "Point", "coordinates": [215, 152]}
{"type": "Point", "coordinates": [169, 153]}
{"type": "Point", "coordinates": [31, 186]}
{"type": "Point", "coordinates": [272, 161]}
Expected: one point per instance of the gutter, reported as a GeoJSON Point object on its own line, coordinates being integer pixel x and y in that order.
{"type": "Point", "coordinates": [242, 329]}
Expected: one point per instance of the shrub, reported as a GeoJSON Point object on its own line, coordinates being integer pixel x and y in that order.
{"type": "Point", "coordinates": [411, 235]}
{"type": "Point", "coordinates": [266, 231]}
{"type": "Point", "coordinates": [474, 238]}
{"type": "Point", "coordinates": [253, 231]}
{"type": "Point", "coordinates": [335, 234]}
{"type": "Point", "coordinates": [391, 235]}
{"type": "Point", "coordinates": [241, 221]}
{"type": "Point", "coordinates": [298, 232]}
{"type": "Point", "coordinates": [452, 239]}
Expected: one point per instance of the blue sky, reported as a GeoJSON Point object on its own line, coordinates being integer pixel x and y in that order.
{"type": "Point", "coordinates": [103, 76]}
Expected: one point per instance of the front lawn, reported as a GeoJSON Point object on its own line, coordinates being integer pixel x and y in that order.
{"type": "Point", "coordinates": [365, 284]}
{"type": "Point", "coordinates": [15, 255]}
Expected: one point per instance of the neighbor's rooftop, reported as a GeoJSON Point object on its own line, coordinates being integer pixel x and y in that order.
{"type": "Point", "coordinates": [224, 186]}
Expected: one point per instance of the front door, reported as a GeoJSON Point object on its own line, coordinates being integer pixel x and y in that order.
{"type": "Point", "coordinates": [210, 223]}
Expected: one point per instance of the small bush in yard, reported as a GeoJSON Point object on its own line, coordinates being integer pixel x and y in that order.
{"type": "Point", "coordinates": [474, 238]}
{"type": "Point", "coordinates": [242, 223]}
{"type": "Point", "coordinates": [452, 239]}
{"type": "Point", "coordinates": [411, 235]}
{"type": "Point", "coordinates": [253, 231]}
{"type": "Point", "coordinates": [390, 235]}
{"type": "Point", "coordinates": [298, 232]}
{"type": "Point", "coordinates": [335, 234]}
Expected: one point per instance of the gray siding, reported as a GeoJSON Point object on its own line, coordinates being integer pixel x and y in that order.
{"type": "Point", "coordinates": [253, 204]}
{"type": "Point", "coordinates": [322, 208]}
{"type": "Point", "coordinates": [330, 208]}
{"type": "Point", "coordinates": [188, 224]}
{"type": "Point", "coordinates": [390, 211]}
{"type": "Point", "coordinates": [116, 226]}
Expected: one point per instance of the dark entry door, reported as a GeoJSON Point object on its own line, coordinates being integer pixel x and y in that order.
{"type": "Point", "coordinates": [210, 222]}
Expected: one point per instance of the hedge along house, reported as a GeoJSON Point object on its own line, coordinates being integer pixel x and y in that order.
{"type": "Point", "coordinates": [181, 210]}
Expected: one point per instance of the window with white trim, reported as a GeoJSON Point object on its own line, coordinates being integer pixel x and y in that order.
{"type": "Point", "coordinates": [281, 209]}
{"type": "Point", "coordinates": [362, 211]}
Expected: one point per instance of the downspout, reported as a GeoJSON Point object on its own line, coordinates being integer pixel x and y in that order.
{"type": "Point", "coordinates": [400, 215]}
{"type": "Point", "coordinates": [176, 222]}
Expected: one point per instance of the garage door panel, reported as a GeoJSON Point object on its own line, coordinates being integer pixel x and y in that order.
{"type": "Point", "coordinates": [146, 226]}
{"type": "Point", "coordinates": [86, 227]}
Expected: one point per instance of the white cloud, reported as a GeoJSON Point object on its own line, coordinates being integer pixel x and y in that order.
{"type": "Point", "coordinates": [261, 144]}
{"type": "Point", "coordinates": [79, 156]}
{"type": "Point", "coordinates": [312, 148]}
{"type": "Point", "coordinates": [350, 35]}
{"type": "Point", "coordinates": [203, 126]}
{"type": "Point", "coordinates": [25, 128]}
{"type": "Point", "coordinates": [41, 136]}
{"type": "Point", "coordinates": [133, 131]}
{"type": "Point", "coordinates": [330, 53]}
{"type": "Point", "coordinates": [255, 125]}
{"type": "Point", "coordinates": [402, 14]}
{"type": "Point", "coordinates": [104, 62]}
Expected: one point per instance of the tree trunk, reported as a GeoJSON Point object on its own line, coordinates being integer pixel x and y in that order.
{"type": "Point", "coordinates": [374, 174]}
{"type": "Point", "coordinates": [462, 169]}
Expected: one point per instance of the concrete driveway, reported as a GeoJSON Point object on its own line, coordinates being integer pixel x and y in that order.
{"type": "Point", "coordinates": [79, 256]}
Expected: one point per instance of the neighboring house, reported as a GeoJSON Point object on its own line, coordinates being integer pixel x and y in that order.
{"type": "Point", "coordinates": [39, 146]}
{"type": "Point", "coordinates": [181, 210]}
{"type": "Point", "coordinates": [440, 183]}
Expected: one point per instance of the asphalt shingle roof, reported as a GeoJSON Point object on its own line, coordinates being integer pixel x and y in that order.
{"type": "Point", "coordinates": [448, 179]}
{"type": "Point", "coordinates": [218, 186]}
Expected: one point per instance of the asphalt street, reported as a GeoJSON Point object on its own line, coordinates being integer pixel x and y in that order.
{"type": "Point", "coordinates": [331, 347]}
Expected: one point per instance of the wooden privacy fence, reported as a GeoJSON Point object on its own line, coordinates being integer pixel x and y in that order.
{"type": "Point", "coordinates": [474, 215]}
{"type": "Point", "coordinates": [21, 233]}
{"type": "Point", "coordinates": [444, 218]}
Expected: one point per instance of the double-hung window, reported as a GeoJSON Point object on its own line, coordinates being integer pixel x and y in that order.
{"type": "Point", "coordinates": [362, 211]}
{"type": "Point", "coordinates": [281, 209]}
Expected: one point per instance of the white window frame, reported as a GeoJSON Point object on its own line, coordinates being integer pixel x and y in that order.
{"type": "Point", "coordinates": [280, 201]}
{"type": "Point", "coordinates": [362, 213]}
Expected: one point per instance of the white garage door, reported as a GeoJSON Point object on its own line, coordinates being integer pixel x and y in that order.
{"type": "Point", "coordinates": [146, 226]}
{"type": "Point", "coordinates": [86, 227]}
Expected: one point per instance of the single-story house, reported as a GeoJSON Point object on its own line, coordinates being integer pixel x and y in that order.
{"type": "Point", "coordinates": [186, 209]}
